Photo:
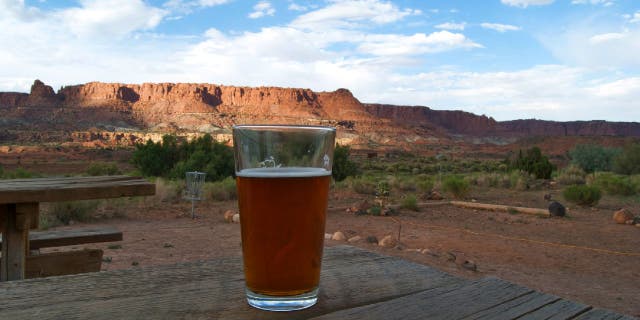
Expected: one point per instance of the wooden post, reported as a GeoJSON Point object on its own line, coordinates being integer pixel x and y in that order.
{"type": "Point", "coordinates": [15, 239]}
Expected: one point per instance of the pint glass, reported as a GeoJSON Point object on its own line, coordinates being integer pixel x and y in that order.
{"type": "Point", "coordinates": [283, 177]}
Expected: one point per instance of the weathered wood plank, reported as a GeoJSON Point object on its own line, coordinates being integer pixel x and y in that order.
{"type": "Point", "coordinates": [14, 243]}
{"type": "Point", "coordinates": [68, 189]}
{"type": "Point", "coordinates": [602, 314]}
{"type": "Point", "coordinates": [561, 309]}
{"type": "Point", "coordinates": [211, 289]}
{"type": "Point", "coordinates": [59, 238]}
{"type": "Point", "coordinates": [515, 308]}
{"type": "Point", "coordinates": [439, 303]}
{"type": "Point", "coordinates": [63, 263]}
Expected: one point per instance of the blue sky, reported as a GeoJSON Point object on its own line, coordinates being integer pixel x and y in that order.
{"type": "Point", "coordinates": [508, 59]}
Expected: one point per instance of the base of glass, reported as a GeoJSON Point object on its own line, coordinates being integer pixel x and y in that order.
{"type": "Point", "coordinates": [282, 303]}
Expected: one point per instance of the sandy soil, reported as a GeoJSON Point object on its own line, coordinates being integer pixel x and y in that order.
{"type": "Point", "coordinates": [584, 257]}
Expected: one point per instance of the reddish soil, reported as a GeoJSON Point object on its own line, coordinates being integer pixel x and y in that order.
{"type": "Point", "coordinates": [584, 257]}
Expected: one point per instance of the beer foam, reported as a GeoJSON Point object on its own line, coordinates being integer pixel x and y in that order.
{"type": "Point", "coordinates": [286, 172]}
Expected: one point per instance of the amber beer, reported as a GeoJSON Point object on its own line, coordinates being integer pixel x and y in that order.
{"type": "Point", "coordinates": [282, 216]}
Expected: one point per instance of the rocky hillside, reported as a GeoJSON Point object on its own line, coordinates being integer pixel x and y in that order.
{"type": "Point", "coordinates": [122, 114]}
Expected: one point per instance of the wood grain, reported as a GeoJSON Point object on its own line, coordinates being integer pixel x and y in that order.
{"type": "Point", "coordinates": [14, 244]}
{"type": "Point", "coordinates": [355, 284]}
{"type": "Point", "coordinates": [69, 189]}
{"type": "Point", "coordinates": [59, 238]}
{"type": "Point", "coordinates": [210, 289]}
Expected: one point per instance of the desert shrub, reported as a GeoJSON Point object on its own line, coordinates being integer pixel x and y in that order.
{"type": "Point", "coordinates": [343, 167]}
{"type": "Point", "coordinates": [80, 211]}
{"type": "Point", "coordinates": [592, 158]}
{"type": "Point", "coordinates": [532, 161]}
{"type": "Point", "coordinates": [363, 186]}
{"type": "Point", "coordinates": [628, 161]}
{"type": "Point", "coordinates": [521, 180]}
{"type": "Point", "coordinates": [582, 194]}
{"type": "Point", "coordinates": [424, 183]}
{"type": "Point", "coordinates": [456, 186]}
{"type": "Point", "coordinates": [403, 184]}
{"type": "Point", "coordinates": [103, 169]}
{"type": "Point", "coordinates": [615, 185]}
{"type": "Point", "coordinates": [172, 158]}
{"type": "Point", "coordinates": [410, 202]}
{"type": "Point", "coordinates": [168, 191]}
{"type": "Point", "coordinates": [19, 173]}
{"type": "Point", "coordinates": [221, 190]}
{"type": "Point", "coordinates": [572, 174]}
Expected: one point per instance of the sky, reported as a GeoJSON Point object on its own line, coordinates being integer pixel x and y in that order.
{"type": "Point", "coordinates": [556, 60]}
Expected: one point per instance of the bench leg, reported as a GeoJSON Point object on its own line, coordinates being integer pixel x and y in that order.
{"type": "Point", "coordinates": [15, 239]}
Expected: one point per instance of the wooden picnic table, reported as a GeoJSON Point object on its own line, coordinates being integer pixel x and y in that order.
{"type": "Point", "coordinates": [20, 201]}
{"type": "Point", "coordinates": [355, 284]}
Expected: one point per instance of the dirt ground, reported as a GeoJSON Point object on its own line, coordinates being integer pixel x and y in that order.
{"type": "Point", "coordinates": [584, 257]}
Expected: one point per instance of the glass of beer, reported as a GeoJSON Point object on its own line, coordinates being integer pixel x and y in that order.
{"type": "Point", "coordinates": [283, 176]}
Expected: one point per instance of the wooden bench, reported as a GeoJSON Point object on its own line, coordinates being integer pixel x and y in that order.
{"type": "Point", "coordinates": [67, 262]}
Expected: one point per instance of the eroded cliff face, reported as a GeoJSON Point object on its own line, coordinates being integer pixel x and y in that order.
{"type": "Point", "coordinates": [123, 114]}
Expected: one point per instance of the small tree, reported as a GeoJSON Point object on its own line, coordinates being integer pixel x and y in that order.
{"type": "Point", "coordinates": [342, 166]}
{"type": "Point", "coordinates": [592, 158]}
{"type": "Point", "coordinates": [533, 162]}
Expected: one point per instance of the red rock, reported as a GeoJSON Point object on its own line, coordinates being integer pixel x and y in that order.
{"type": "Point", "coordinates": [621, 216]}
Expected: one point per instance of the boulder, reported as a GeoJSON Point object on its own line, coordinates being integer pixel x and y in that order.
{"type": "Point", "coordinates": [338, 236]}
{"type": "Point", "coordinates": [387, 242]}
{"type": "Point", "coordinates": [355, 239]}
{"type": "Point", "coordinates": [327, 236]}
{"type": "Point", "coordinates": [435, 195]}
{"type": "Point", "coordinates": [228, 215]}
{"type": "Point", "coordinates": [236, 218]}
{"type": "Point", "coordinates": [556, 209]}
{"type": "Point", "coordinates": [621, 216]}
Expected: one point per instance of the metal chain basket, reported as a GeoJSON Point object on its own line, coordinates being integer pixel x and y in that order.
{"type": "Point", "coordinates": [193, 190]}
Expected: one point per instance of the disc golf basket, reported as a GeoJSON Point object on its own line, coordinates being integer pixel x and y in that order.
{"type": "Point", "coordinates": [193, 191]}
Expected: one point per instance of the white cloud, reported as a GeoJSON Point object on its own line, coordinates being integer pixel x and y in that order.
{"type": "Point", "coordinates": [451, 26]}
{"type": "Point", "coordinates": [187, 6]}
{"type": "Point", "coordinates": [605, 3]}
{"type": "Point", "coordinates": [526, 3]}
{"type": "Point", "coordinates": [261, 9]}
{"type": "Point", "coordinates": [571, 94]}
{"type": "Point", "coordinates": [352, 14]}
{"type": "Point", "coordinates": [635, 18]}
{"type": "Point", "coordinates": [606, 37]}
{"type": "Point", "coordinates": [499, 27]}
{"type": "Point", "coordinates": [296, 7]}
{"type": "Point", "coordinates": [385, 45]}
{"type": "Point", "coordinates": [586, 45]}
{"type": "Point", "coordinates": [108, 18]}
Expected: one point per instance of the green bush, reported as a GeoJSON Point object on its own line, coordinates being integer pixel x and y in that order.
{"type": "Point", "coordinates": [342, 166]}
{"type": "Point", "coordinates": [456, 186]}
{"type": "Point", "coordinates": [410, 202]}
{"type": "Point", "coordinates": [582, 195]}
{"type": "Point", "coordinates": [628, 161]}
{"type": "Point", "coordinates": [425, 183]}
{"type": "Point", "coordinates": [615, 185]}
{"type": "Point", "coordinates": [532, 161]}
{"type": "Point", "coordinates": [19, 173]}
{"type": "Point", "coordinates": [221, 190]}
{"type": "Point", "coordinates": [103, 169]}
{"type": "Point", "coordinates": [592, 158]}
{"type": "Point", "coordinates": [172, 158]}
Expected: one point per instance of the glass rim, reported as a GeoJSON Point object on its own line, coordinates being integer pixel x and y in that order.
{"type": "Point", "coordinates": [283, 126]}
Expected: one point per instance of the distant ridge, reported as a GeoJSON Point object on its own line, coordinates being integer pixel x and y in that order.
{"type": "Point", "coordinates": [46, 115]}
